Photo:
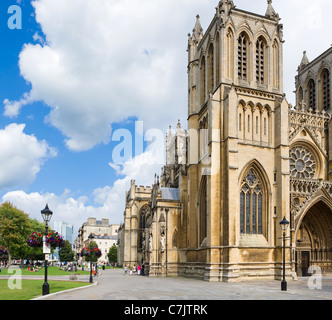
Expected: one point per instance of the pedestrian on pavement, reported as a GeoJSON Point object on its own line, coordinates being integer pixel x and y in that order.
{"type": "Point", "coordinates": [139, 269]}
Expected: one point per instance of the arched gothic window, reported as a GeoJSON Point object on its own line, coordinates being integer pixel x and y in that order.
{"type": "Point", "coordinates": [142, 222]}
{"type": "Point", "coordinates": [210, 66]}
{"type": "Point", "coordinates": [251, 204]}
{"type": "Point", "coordinates": [202, 80]}
{"type": "Point", "coordinates": [230, 54]}
{"type": "Point", "coordinates": [260, 60]}
{"type": "Point", "coordinates": [275, 57]}
{"type": "Point", "coordinates": [203, 209]}
{"type": "Point", "coordinates": [243, 54]}
{"type": "Point", "coordinates": [326, 90]}
{"type": "Point", "coordinates": [312, 95]}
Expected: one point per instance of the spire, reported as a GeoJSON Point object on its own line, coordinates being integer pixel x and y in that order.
{"type": "Point", "coordinates": [304, 61]}
{"type": "Point", "coordinates": [270, 12]}
{"type": "Point", "coordinates": [198, 30]}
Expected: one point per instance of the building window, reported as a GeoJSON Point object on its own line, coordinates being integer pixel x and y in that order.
{"type": "Point", "coordinates": [302, 163]}
{"type": "Point", "coordinates": [203, 209]}
{"type": "Point", "coordinates": [210, 75]}
{"type": "Point", "coordinates": [243, 56]}
{"type": "Point", "coordinates": [260, 60]}
{"type": "Point", "coordinates": [312, 95]}
{"type": "Point", "coordinates": [326, 90]}
{"type": "Point", "coordinates": [142, 227]}
{"type": "Point", "coordinates": [202, 81]}
{"type": "Point", "coordinates": [251, 204]}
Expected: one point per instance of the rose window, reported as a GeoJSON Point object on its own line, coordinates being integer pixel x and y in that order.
{"type": "Point", "coordinates": [302, 163]}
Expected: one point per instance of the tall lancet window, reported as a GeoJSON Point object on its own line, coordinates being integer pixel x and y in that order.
{"type": "Point", "coordinates": [260, 60]}
{"type": "Point", "coordinates": [326, 90]}
{"type": "Point", "coordinates": [243, 51]}
{"type": "Point", "coordinates": [312, 95]}
{"type": "Point", "coordinates": [251, 204]}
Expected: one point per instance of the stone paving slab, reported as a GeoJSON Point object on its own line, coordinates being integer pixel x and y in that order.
{"type": "Point", "coordinates": [114, 285]}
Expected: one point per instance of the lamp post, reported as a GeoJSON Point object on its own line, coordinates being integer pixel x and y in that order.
{"type": "Point", "coordinates": [284, 225]}
{"type": "Point", "coordinates": [90, 238]}
{"type": "Point", "coordinates": [47, 215]}
{"type": "Point", "coordinates": [166, 239]}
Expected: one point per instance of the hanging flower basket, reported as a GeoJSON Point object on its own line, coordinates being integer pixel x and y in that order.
{"type": "Point", "coordinates": [55, 240]}
{"type": "Point", "coordinates": [35, 240]}
{"type": "Point", "coordinates": [3, 253]}
{"type": "Point", "coordinates": [87, 252]}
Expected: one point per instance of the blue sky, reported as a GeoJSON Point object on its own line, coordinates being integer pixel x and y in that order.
{"type": "Point", "coordinates": [80, 70]}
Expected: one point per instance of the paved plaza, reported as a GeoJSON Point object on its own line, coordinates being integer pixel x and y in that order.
{"type": "Point", "coordinates": [115, 285]}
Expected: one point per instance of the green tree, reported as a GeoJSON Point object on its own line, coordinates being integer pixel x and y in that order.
{"type": "Point", "coordinates": [15, 227]}
{"type": "Point", "coordinates": [66, 253]}
{"type": "Point", "coordinates": [113, 254]}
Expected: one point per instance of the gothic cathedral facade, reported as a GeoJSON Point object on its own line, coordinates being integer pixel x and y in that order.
{"type": "Point", "coordinates": [247, 160]}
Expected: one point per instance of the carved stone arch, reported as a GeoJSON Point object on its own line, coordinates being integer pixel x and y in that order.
{"type": "Point", "coordinates": [217, 57]}
{"type": "Point", "coordinates": [313, 233]}
{"type": "Point", "coordinates": [247, 30]}
{"type": "Point", "coordinates": [259, 167]}
{"type": "Point", "coordinates": [202, 209]}
{"type": "Point", "coordinates": [202, 77]}
{"type": "Point", "coordinates": [210, 64]}
{"type": "Point", "coordinates": [324, 65]}
{"type": "Point", "coordinates": [242, 104]}
{"type": "Point", "coordinates": [324, 87]}
{"type": "Point", "coordinates": [142, 225]}
{"type": "Point", "coordinates": [264, 35]}
{"type": "Point", "coordinates": [175, 238]}
{"type": "Point", "coordinates": [255, 194]}
{"type": "Point", "coordinates": [306, 160]}
{"type": "Point", "coordinates": [259, 106]}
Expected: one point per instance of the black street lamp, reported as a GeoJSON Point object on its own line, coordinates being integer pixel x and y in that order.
{"type": "Point", "coordinates": [90, 238]}
{"type": "Point", "coordinates": [284, 226]}
{"type": "Point", "coordinates": [47, 215]}
{"type": "Point", "coordinates": [166, 239]}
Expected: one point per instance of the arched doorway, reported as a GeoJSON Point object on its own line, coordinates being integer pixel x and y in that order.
{"type": "Point", "coordinates": [314, 240]}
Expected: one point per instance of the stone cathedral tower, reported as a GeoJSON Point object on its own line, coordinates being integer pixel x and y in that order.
{"type": "Point", "coordinates": [247, 160]}
{"type": "Point", "coordinates": [238, 174]}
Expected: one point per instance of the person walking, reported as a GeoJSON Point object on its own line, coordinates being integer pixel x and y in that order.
{"type": "Point", "coordinates": [139, 269]}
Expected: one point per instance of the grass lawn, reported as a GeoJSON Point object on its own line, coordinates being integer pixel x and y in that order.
{"type": "Point", "coordinates": [33, 288]}
{"type": "Point", "coordinates": [52, 271]}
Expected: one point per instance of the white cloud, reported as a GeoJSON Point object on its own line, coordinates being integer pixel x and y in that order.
{"type": "Point", "coordinates": [104, 61]}
{"type": "Point", "coordinates": [107, 202]}
{"type": "Point", "coordinates": [21, 156]}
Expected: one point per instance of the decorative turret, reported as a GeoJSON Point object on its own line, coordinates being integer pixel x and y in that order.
{"type": "Point", "coordinates": [270, 12]}
{"type": "Point", "coordinates": [304, 61]}
{"type": "Point", "coordinates": [224, 7]}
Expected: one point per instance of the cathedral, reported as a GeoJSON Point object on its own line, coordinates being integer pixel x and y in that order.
{"type": "Point", "coordinates": [247, 160]}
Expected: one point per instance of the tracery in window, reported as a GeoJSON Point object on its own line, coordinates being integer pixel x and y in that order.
{"type": "Point", "coordinates": [251, 204]}
{"type": "Point", "coordinates": [302, 163]}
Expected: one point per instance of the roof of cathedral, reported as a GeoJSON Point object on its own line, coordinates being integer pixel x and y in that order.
{"type": "Point", "coordinates": [170, 193]}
